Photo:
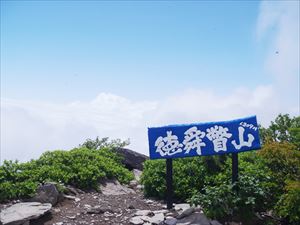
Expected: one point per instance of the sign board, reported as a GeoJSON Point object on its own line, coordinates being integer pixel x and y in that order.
{"type": "Point", "coordinates": [214, 138]}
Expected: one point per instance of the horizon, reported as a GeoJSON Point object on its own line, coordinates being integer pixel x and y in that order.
{"type": "Point", "coordinates": [74, 70]}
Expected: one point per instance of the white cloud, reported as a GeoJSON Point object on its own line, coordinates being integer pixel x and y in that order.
{"type": "Point", "coordinates": [30, 128]}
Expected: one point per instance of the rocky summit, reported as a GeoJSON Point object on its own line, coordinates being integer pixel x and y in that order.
{"type": "Point", "coordinates": [115, 204]}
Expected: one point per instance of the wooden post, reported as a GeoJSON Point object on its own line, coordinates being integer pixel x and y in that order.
{"type": "Point", "coordinates": [169, 180]}
{"type": "Point", "coordinates": [235, 168]}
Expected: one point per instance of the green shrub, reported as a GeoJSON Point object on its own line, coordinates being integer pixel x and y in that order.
{"type": "Point", "coordinates": [221, 201]}
{"type": "Point", "coordinates": [189, 175]}
{"type": "Point", "coordinates": [12, 184]}
{"type": "Point", "coordinates": [81, 167]}
{"type": "Point", "coordinates": [283, 161]}
{"type": "Point", "coordinates": [289, 204]}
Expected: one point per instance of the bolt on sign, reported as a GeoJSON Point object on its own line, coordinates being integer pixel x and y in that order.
{"type": "Point", "coordinates": [213, 138]}
{"type": "Point", "coordinates": [202, 139]}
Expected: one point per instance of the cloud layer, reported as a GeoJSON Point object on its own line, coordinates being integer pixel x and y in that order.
{"type": "Point", "coordinates": [30, 128]}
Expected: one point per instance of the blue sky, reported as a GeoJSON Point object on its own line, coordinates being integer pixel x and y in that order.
{"type": "Point", "coordinates": [133, 49]}
{"type": "Point", "coordinates": [72, 70]}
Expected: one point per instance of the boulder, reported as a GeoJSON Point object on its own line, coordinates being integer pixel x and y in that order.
{"type": "Point", "coordinates": [47, 193]}
{"type": "Point", "coordinates": [22, 213]}
{"type": "Point", "coordinates": [186, 213]}
{"type": "Point", "coordinates": [113, 187]}
{"type": "Point", "coordinates": [131, 159]}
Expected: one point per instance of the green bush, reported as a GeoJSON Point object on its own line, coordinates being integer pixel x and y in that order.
{"type": "Point", "coordinates": [81, 167]}
{"type": "Point", "coordinates": [189, 175]}
{"type": "Point", "coordinates": [223, 201]}
{"type": "Point", "coordinates": [283, 161]}
{"type": "Point", "coordinates": [289, 204]}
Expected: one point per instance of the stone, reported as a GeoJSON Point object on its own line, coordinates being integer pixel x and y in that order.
{"type": "Point", "coordinates": [46, 193]}
{"type": "Point", "coordinates": [182, 206]}
{"type": "Point", "coordinates": [137, 174]}
{"type": "Point", "coordinates": [164, 211]}
{"type": "Point", "coordinates": [148, 201]}
{"type": "Point", "coordinates": [157, 218]}
{"type": "Point", "coordinates": [143, 213]}
{"type": "Point", "coordinates": [186, 212]}
{"type": "Point", "coordinates": [56, 210]}
{"type": "Point", "coordinates": [133, 183]}
{"type": "Point", "coordinates": [69, 197]}
{"type": "Point", "coordinates": [87, 206]}
{"type": "Point", "coordinates": [170, 221]}
{"type": "Point", "coordinates": [195, 218]}
{"type": "Point", "coordinates": [131, 159]}
{"type": "Point", "coordinates": [71, 217]}
{"type": "Point", "coordinates": [136, 220]}
{"type": "Point", "coordinates": [71, 190]}
{"type": "Point", "coordinates": [113, 187]}
{"type": "Point", "coordinates": [21, 213]}
{"type": "Point", "coordinates": [98, 210]}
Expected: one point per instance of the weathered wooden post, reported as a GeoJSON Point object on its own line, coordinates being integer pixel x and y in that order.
{"type": "Point", "coordinates": [235, 169]}
{"type": "Point", "coordinates": [169, 180]}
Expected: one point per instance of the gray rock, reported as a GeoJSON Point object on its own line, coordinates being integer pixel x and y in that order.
{"type": "Point", "coordinates": [137, 174]}
{"type": "Point", "coordinates": [194, 219]}
{"type": "Point", "coordinates": [98, 210]}
{"type": "Point", "coordinates": [170, 221]}
{"type": "Point", "coordinates": [86, 206]}
{"type": "Point", "coordinates": [21, 213]}
{"type": "Point", "coordinates": [69, 197]}
{"type": "Point", "coordinates": [182, 206]}
{"type": "Point", "coordinates": [113, 187]}
{"type": "Point", "coordinates": [186, 212]}
{"type": "Point", "coordinates": [143, 213]}
{"type": "Point", "coordinates": [131, 159]}
{"type": "Point", "coordinates": [136, 220]}
{"type": "Point", "coordinates": [157, 218]}
{"type": "Point", "coordinates": [46, 193]}
{"type": "Point", "coordinates": [71, 217]}
{"type": "Point", "coordinates": [148, 201]}
{"type": "Point", "coordinates": [71, 190]}
{"type": "Point", "coordinates": [164, 211]}
{"type": "Point", "coordinates": [133, 183]}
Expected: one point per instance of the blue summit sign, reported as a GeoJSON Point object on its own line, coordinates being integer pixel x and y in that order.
{"type": "Point", "coordinates": [214, 138]}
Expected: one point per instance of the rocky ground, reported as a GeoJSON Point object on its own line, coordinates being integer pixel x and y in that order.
{"type": "Point", "coordinates": [114, 205]}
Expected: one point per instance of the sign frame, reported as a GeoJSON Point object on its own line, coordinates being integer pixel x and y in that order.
{"type": "Point", "coordinates": [241, 135]}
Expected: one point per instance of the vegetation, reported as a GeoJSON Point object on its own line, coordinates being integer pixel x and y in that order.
{"type": "Point", "coordinates": [81, 167]}
{"type": "Point", "coordinates": [269, 179]}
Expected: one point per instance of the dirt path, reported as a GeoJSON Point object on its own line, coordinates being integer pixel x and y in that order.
{"type": "Point", "coordinates": [98, 209]}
